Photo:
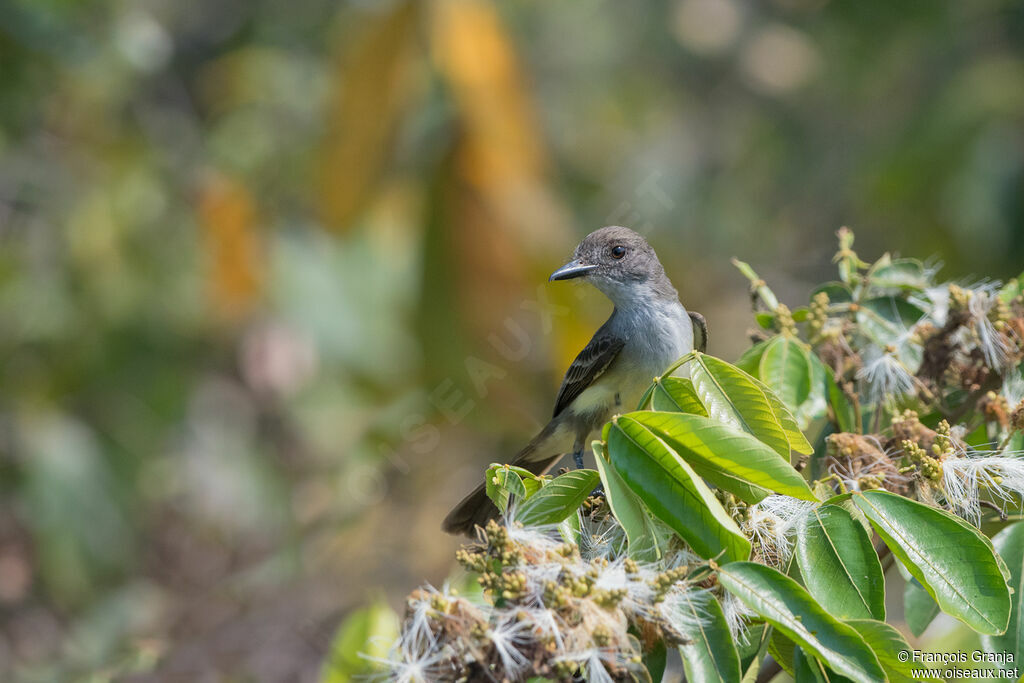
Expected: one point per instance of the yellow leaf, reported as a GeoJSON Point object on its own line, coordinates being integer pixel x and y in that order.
{"type": "Point", "coordinates": [227, 217]}
{"type": "Point", "coordinates": [502, 153]}
{"type": "Point", "coordinates": [370, 90]}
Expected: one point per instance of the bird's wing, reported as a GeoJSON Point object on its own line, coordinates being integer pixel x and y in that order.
{"type": "Point", "coordinates": [701, 325]}
{"type": "Point", "coordinates": [593, 360]}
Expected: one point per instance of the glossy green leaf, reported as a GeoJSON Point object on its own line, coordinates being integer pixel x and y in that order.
{"type": "Point", "coordinates": [504, 481]}
{"type": "Point", "coordinates": [724, 455]}
{"type": "Point", "coordinates": [711, 655]}
{"type": "Point", "coordinates": [750, 361]}
{"type": "Point", "coordinates": [672, 490]}
{"type": "Point", "coordinates": [786, 368]}
{"type": "Point", "coordinates": [797, 441]}
{"type": "Point", "coordinates": [656, 660]}
{"type": "Point", "coordinates": [781, 648]}
{"type": "Point", "coordinates": [559, 498]}
{"type": "Point", "coordinates": [752, 654]}
{"type": "Point", "coordinates": [676, 394]}
{"type": "Point", "coordinates": [647, 537]}
{"type": "Point", "coordinates": [951, 559]}
{"type": "Point", "coordinates": [569, 528]}
{"type": "Point", "coordinates": [808, 669]}
{"type": "Point", "coordinates": [1009, 543]}
{"type": "Point", "coordinates": [839, 565]}
{"type": "Point", "coordinates": [887, 644]}
{"type": "Point", "coordinates": [735, 397]}
{"type": "Point", "coordinates": [788, 607]}
{"type": "Point", "coordinates": [919, 608]}
{"type": "Point", "coordinates": [730, 396]}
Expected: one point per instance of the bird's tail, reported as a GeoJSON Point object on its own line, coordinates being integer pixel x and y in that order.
{"type": "Point", "coordinates": [476, 508]}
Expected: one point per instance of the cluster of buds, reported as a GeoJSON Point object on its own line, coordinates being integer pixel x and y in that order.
{"type": "Point", "coordinates": [553, 609]}
{"type": "Point", "coordinates": [817, 316]}
{"type": "Point", "coordinates": [784, 322]}
{"type": "Point", "coordinates": [859, 462]}
{"type": "Point", "coordinates": [1002, 314]}
{"type": "Point", "coordinates": [845, 445]}
{"type": "Point", "coordinates": [924, 450]}
{"type": "Point", "coordinates": [849, 263]}
{"type": "Point", "coordinates": [919, 460]}
{"type": "Point", "coordinates": [959, 298]}
{"type": "Point", "coordinates": [667, 580]}
{"type": "Point", "coordinates": [907, 426]}
{"type": "Point", "coordinates": [943, 447]}
{"type": "Point", "coordinates": [737, 508]}
{"type": "Point", "coordinates": [872, 481]}
{"type": "Point", "coordinates": [496, 552]}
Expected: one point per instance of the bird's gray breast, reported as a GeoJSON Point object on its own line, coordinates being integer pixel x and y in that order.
{"type": "Point", "coordinates": [657, 337]}
{"type": "Point", "coordinates": [660, 337]}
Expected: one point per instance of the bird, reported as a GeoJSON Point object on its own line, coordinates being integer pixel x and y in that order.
{"type": "Point", "coordinates": [647, 331]}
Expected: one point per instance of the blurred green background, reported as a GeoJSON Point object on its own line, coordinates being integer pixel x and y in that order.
{"type": "Point", "coordinates": [273, 274]}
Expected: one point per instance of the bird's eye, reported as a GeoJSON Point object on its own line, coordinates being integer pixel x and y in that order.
{"type": "Point", "coordinates": [618, 251]}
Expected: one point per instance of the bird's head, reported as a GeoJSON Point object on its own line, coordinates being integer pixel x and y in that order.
{"type": "Point", "coordinates": [620, 263]}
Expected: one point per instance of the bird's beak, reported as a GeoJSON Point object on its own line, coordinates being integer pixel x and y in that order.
{"type": "Point", "coordinates": [571, 270]}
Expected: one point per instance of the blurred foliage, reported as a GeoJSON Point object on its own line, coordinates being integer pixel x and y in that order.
{"type": "Point", "coordinates": [267, 268]}
{"type": "Point", "coordinates": [364, 637]}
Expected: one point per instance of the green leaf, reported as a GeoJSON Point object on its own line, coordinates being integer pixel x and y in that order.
{"type": "Point", "coordinates": [904, 273]}
{"type": "Point", "coordinates": [887, 643]}
{"type": "Point", "coordinates": [885, 320]}
{"type": "Point", "coordinates": [839, 565]}
{"type": "Point", "coordinates": [797, 441]}
{"type": "Point", "coordinates": [725, 455]}
{"type": "Point", "coordinates": [569, 528]}
{"type": "Point", "coordinates": [1009, 543]}
{"type": "Point", "coordinates": [647, 537]}
{"type": "Point", "coordinates": [1012, 289]}
{"type": "Point", "coordinates": [656, 660]}
{"type": "Point", "coordinates": [816, 403]}
{"type": "Point", "coordinates": [951, 559]}
{"type": "Point", "coordinates": [677, 395]}
{"type": "Point", "coordinates": [808, 669]}
{"type": "Point", "coordinates": [838, 292]}
{"type": "Point", "coordinates": [504, 481]}
{"type": "Point", "coordinates": [734, 397]}
{"type": "Point", "coordinates": [846, 416]}
{"type": "Point", "coordinates": [672, 490]}
{"type": "Point", "coordinates": [558, 499]}
{"type": "Point", "coordinates": [786, 368]}
{"type": "Point", "coordinates": [791, 609]}
{"type": "Point", "coordinates": [367, 631]}
{"type": "Point", "coordinates": [711, 655]}
{"type": "Point", "coordinates": [782, 649]}
{"type": "Point", "coordinates": [752, 655]}
{"type": "Point", "coordinates": [750, 361]}
{"type": "Point", "coordinates": [919, 608]}
{"type": "Point", "coordinates": [765, 320]}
